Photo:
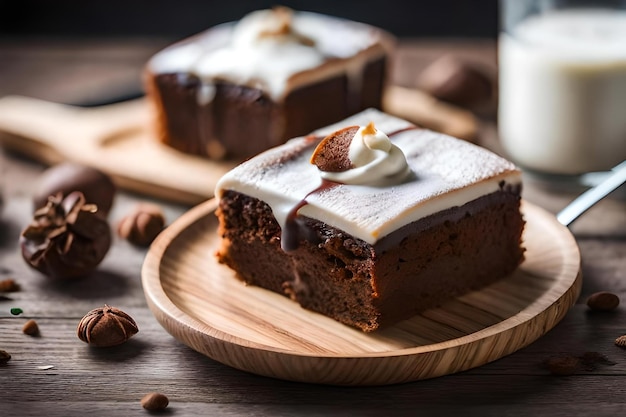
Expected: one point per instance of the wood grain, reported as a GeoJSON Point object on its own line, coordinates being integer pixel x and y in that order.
{"type": "Point", "coordinates": [116, 139]}
{"type": "Point", "coordinates": [201, 303]}
{"type": "Point", "coordinates": [424, 110]}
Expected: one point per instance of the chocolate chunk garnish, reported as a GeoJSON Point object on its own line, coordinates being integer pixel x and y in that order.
{"type": "Point", "coordinates": [332, 154]}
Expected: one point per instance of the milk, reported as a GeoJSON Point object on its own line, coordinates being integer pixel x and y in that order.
{"type": "Point", "coordinates": [562, 105]}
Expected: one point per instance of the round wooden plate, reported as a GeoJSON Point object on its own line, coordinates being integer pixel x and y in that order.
{"type": "Point", "coordinates": [201, 303]}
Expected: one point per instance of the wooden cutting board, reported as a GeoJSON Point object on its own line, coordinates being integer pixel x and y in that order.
{"type": "Point", "coordinates": [118, 140]}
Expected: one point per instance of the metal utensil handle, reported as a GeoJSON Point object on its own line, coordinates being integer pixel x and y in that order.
{"type": "Point", "coordinates": [590, 197]}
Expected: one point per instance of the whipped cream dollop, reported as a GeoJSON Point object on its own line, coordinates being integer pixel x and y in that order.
{"type": "Point", "coordinates": [375, 160]}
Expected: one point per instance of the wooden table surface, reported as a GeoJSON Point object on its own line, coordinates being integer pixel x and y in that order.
{"type": "Point", "coordinates": [55, 374]}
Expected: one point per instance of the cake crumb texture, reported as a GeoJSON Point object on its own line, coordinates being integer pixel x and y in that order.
{"type": "Point", "coordinates": [372, 286]}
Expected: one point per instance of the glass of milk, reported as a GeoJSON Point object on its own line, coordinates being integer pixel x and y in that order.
{"type": "Point", "coordinates": [562, 95]}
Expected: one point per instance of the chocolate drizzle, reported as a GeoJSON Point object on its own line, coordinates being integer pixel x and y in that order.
{"type": "Point", "coordinates": [406, 129]}
{"type": "Point", "coordinates": [296, 228]}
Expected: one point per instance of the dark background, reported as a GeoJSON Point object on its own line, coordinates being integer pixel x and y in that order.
{"type": "Point", "coordinates": [177, 19]}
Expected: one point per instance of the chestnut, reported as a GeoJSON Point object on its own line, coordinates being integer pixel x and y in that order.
{"type": "Point", "coordinates": [97, 187]}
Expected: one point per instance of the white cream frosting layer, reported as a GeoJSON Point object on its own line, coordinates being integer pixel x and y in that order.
{"type": "Point", "coordinates": [316, 47]}
{"type": "Point", "coordinates": [446, 172]}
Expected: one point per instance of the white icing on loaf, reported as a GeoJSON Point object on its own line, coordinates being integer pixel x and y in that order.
{"type": "Point", "coordinates": [314, 48]}
{"type": "Point", "coordinates": [447, 172]}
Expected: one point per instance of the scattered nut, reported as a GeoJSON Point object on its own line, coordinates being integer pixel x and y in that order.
{"type": "Point", "coordinates": [9, 285]}
{"type": "Point", "coordinates": [456, 81]}
{"type": "Point", "coordinates": [215, 150]}
{"type": "Point", "coordinates": [142, 225]}
{"type": "Point", "coordinates": [31, 328]}
{"type": "Point", "coordinates": [4, 356]}
{"type": "Point", "coordinates": [16, 311]}
{"type": "Point", "coordinates": [603, 301]}
{"type": "Point", "coordinates": [154, 401]}
{"type": "Point", "coordinates": [67, 238]}
{"type": "Point", "coordinates": [621, 341]}
{"type": "Point", "coordinates": [563, 365]}
{"type": "Point", "coordinates": [64, 178]}
{"type": "Point", "coordinates": [106, 326]}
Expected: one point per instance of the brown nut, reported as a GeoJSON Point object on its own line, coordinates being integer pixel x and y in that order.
{"type": "Point", "coordinates": [64, 178]}
{"type": "Point", "coordinates": [106, 326]}
{"type": "Point", "coordinates": [9, 285]}
{"type": "Point", "coordinates": [603, 301]}
{"type": "Point", "coordinates": [30, 328]}
{"type": "Point", "coordinates": [67, 238]}
{"type": "Point", "coordinates": [154, 401]}
{"type": "Point", "coordinates": [563, 365]}
{"type": "Point", "coordinates": [142, 225]}
{"type": "Point", "coordinates": [621, 341]}
{"type": "Point", "coordinates": [4, 356]}
{"type": "Point", "coordinates": [458, 82]}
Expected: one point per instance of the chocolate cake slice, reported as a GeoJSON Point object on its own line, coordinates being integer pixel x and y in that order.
{"type": "Point", "coordinates": [240, 88]}
{"type": "Point", "coordinates": [378, 228]}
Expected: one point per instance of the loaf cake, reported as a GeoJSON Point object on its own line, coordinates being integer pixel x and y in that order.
{"type": "Point", "coordinates": [240, 88]}
{"type": "Point", "coordinates": [389, 220]}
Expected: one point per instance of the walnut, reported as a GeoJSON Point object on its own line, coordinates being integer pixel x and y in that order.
{"type": "Point", "coordinates": [106, 326]}
{"type": "Point", "coordinates": [67, 238]}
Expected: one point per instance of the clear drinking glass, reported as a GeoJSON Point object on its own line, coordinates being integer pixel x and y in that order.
{"type": "Point", "coordinates": [562, 95]}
